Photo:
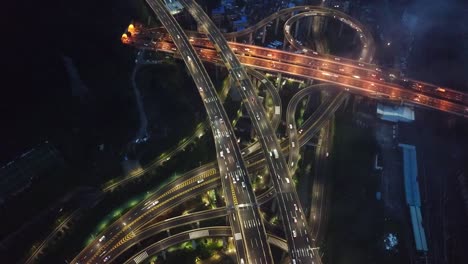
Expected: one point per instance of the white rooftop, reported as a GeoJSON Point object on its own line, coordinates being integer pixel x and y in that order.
{"type": "Point", "coordinates": [395, 113]}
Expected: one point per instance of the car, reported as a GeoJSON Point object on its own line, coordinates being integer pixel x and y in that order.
{"type": "Point", "coordinates": [295, 219]}
{"type": "Point", "coordinates": [292, 144]}
{"type": "Point", "coordinates": [106, 258]}
{"type": "Point", "coordinates": [258, 117]}
{"type": "Point", "coordinates": [200, 180]}
{"type": "Point", "coordinates": [327, 154]}
{"type": "Point", "coordinates": [243, 185]}
{"type": "Point", "coordinates": [295, 207]}
{"type": "Point", "coordinates": [300, 131]}
{"type": "Point", "coordinates": [294, 233]}
{"type": "Point", "coordinates": [290, 126]}
{"type": "Point", "coordinates": [228, 151]}
{"type": "Point", "coordinates": [102, 238]}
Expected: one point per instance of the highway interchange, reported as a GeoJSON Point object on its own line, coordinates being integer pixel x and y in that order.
{"type": "Point", "coordinates": [242, 203]}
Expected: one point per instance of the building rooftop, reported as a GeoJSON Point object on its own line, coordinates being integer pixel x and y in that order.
{"type": "Point", "coordinates": [412, 195]}
{"type": "Point", "coordinates": [395, 113]}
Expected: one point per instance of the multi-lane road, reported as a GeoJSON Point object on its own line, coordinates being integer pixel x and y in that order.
{"type": "Point", "coordinates": [188, 185]}
{"type": "Point", "coordinates": [238, 193]}
{"type": "Point", "coordinates": [241, 204]}
{"type": "Point", "coordinates": [346, 65]}
{"type": "Point", "coordinates": [293, 218]}
{"type": "Point", "coordinates": [296, 65]}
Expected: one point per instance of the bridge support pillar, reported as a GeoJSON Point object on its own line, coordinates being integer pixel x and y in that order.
{"type": "Point", "coordinates": [316, 26]}
{"type": "Point", "coordinates": [163, 254]}
{"type": "Point", "coordinates": [264, 34]}
{"type": "Point", "coordinates": [355, 38]}
{"type": "Point", "coordinates": [234, 39]}
{"type": "Point", "coordinates": [296, 30]}
{"type": "Point", "coordinates": [284, 43]}
{"type": "Point", "coordinates": [274, 205]}
{"type": "Point", "coordinates": [225, 243]}
{"type": "Point", "coordinates": [341, 30]}
{"type": "Point", "coordinates": [284, 255]}
{"type": "Point", "coordinates": [278, 82]}
{"type": "Point", "coordinates": [251, 38]}
{"type": "Point", "coordinates": [310, 24]}
{"type": "Point", "coordinates": [194, 244]}
{"type": "Point", "coordinates": [168, 231]}
{"type": "Point", "coordinates": [276, 26]}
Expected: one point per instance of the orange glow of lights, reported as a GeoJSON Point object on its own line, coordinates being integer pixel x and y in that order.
{"type": "Point", "coordinates": [124, 38]}
{"type": "Point", "coordinates": [131, 28]}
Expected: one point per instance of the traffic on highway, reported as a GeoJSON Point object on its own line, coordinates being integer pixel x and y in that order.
{"type": "Point", "coordinates": [234, 166]}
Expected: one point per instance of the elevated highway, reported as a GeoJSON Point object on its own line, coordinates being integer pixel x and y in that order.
{"type": "Point", "coordinates": [231, 165]}
{"type": "Point", "coordinates": [291, 65]}
{"type": "Point", "coordinates": [216, 231]}
{"type": "Point", "coordinates": [293, 218]}
{"type": "Point", "coordinates": [188, 185]}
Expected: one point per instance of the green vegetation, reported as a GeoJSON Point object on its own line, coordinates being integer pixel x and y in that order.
{"type": "Point", "coordinates": [163, 88]}
{"type": "Point", "coordinates": [356, 217]}
{"type": "Point", "coordinates": [192, 252]}
{"type": "Point", "coordinates": [78, 236]}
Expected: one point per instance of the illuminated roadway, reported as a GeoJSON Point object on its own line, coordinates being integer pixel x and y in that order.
{"type": "Point", "coordinates": [231, 164]}
{"type": "Point", "coordinates": [190, 184]}
{"type": "Point", "coordinates": [365, 37]}
{"type": "Point", "coordinates": [151, 228]}
{"type": "Point", "coordinates": [463, 99]}
{"type": "Point", "coordinates": [186, 186]}
{"type": "Point", "coordinates": [244, 214]}
{"type": "Point", "coordinates": [314, 122]}
{"type": "Point", "coordinates": [318, 207]}
{"type": "Point", "coordinates": [349, 66]}
{"type": "Point", "coordinates": [291, 212]}
{"type": "Point", "coordinates": [378, 79]}
{"type": "Point", "coordinates": [215, 231]}
{"type": "Point", "coordinates": [296, 65]}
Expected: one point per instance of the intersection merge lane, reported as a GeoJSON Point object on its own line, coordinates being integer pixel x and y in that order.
{"type": "Point", "coordinates": [295, 227]}
{"type": "Point", "coordinates": [248, 230]}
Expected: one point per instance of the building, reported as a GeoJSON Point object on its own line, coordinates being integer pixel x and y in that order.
{"type": "Point", "coordinates": [174, 6]}
{"type": "Point", "coordinates": [395, 113]}
{"type": "Point", "coordinates": [412, 195]}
